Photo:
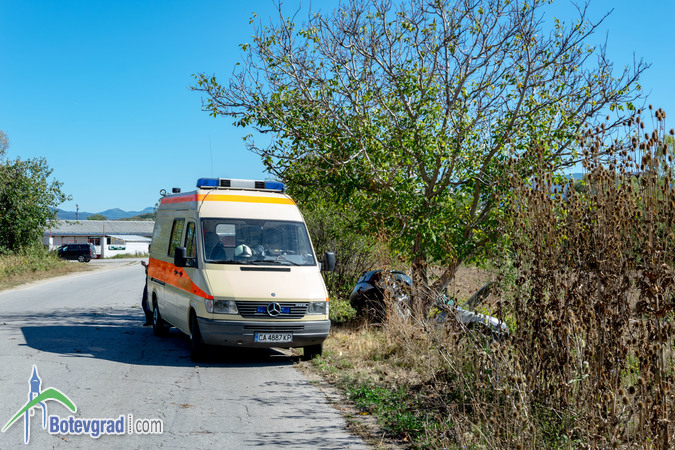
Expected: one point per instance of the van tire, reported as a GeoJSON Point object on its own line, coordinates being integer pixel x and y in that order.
{"type": "Point", "coordinates": [197, 345]}
{"type": "Point", "coordinates": [312, 351]}
{"type": "Point", "coordinates": [159, 325]}
{"type": "Point", "coordinates": [81, 258]}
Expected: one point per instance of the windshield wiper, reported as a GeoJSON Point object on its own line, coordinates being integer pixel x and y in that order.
{"type": "Point", "coordinates": [283, 262]}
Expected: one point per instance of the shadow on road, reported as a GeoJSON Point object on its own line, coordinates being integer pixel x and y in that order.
{"type": "Point", "coordinates": [117, 334]}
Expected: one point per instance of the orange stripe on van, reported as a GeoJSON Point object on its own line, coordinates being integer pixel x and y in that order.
{"type": "Point", "coordinates": [212, 197]}
{"type": "Point", "coordinates": [179, 199]}
{"type": "Point", "coordinates": [175, 276]}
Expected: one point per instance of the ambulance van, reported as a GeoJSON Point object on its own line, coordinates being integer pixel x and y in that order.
{"type": "Point", "coordinates": [232, 264]}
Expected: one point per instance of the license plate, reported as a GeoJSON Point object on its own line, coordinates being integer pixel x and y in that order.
{"type": "Point", "coordinates": [274, 337]}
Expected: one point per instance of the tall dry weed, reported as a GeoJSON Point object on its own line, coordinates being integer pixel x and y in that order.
{"type": "Point", "coordinates": [595, 287]}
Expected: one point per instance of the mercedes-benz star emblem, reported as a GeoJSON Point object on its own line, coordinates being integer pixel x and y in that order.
{"type": "Point", "coordinates": [274, 309]}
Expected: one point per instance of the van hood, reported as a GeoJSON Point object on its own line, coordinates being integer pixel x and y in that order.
{"type": "Point", "coordinates": [266, 283]}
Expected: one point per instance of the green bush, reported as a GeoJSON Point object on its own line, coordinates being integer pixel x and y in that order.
{"type": "Point", "coordinates": [341, 311]}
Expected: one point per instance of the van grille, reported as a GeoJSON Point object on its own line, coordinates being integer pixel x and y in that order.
{"type": "Point", "coordinates": [259, 310]}
{"type": "Point", "coordinates": [275, 328]}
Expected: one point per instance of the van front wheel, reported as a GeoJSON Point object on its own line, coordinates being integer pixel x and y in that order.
{"type": "Point", "coordinates": [197, 345]}
{"type": "Point", "coordinates": [312, 351]}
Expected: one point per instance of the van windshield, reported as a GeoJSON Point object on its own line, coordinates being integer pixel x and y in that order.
{"type": "Point", "coordinates": [258, 242]}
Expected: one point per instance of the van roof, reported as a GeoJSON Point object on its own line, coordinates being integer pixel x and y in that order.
{"type": "Point", "coordinates": [239, 203]}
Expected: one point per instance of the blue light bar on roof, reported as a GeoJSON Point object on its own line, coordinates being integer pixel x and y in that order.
{"type": "Point", "coordinates": [275, 185]}
{"type": "Point", "coordinates": [207, 182]}
{"type": "Point", "coordinates": [231, 183]}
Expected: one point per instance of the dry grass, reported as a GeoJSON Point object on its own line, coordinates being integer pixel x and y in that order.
{"type": "Point", "coordinates": [33, 265]}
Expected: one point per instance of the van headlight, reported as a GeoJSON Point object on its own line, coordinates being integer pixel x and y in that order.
{"type": "Point", "coordinates": [221, 306]}
{"type": "Point", "coordinates": [225, 307]}
{"type": "Point", "coordinates": [318, 308]}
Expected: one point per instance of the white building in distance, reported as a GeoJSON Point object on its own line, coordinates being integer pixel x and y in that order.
{"type": "Point", "coordinates": [119, 236]}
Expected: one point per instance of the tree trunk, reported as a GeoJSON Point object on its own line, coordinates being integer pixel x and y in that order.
{"type": "Point", "coordinates": [425, 295]}
{"type": "Point", "coordinates": [446, 277]}
{"type": "Point", "coordinates": [421, 292]}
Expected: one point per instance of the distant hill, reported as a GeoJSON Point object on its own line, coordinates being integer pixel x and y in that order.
{"type": "Point", "coordinates": [110, 214]}
{"type": "Point", "coordinates": [144, 216]}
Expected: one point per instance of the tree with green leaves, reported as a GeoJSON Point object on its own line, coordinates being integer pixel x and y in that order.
{"type": "Point", "coordinates": [410, 111]}
{"type": "Point", "coordinates": [28, 199]}
{"type": "Point", "coordinates": [332, 230]}
{"type": "Point", "coordinates": [4, 144]}
{"type": "Point", "coordinates": [97, 217]}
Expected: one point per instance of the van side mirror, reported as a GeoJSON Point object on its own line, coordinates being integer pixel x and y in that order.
{"type": "Point", "coordinates": [180, 257]}
{"type": "Point", "coordinates": [328, 262]}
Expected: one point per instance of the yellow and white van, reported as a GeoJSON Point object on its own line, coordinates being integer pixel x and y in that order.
{"type": "Point", "coordinates": [232, 264]}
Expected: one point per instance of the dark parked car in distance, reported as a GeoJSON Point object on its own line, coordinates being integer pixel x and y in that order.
{"type": "Point", "coordinates": [80, 252]}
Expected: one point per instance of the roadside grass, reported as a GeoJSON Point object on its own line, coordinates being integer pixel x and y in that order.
{"type": "Point", "coordinates": [33, 264]}
{"type": "Point", "coordinates": [445, 387]}
{"type": "Point", "coordinates": [394, 373]}
{"type": "Point", "coordinates": [388, 378]}
{"type": "Point", "coordinates": [129, 255]}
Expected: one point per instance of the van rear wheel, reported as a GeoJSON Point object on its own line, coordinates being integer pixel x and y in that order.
{"type": "Point", "coordinates": [159, 325]}
{"type": "Point", "coordinates": [197, 345]}
{"type": "Point", "coordinates": [312, 351]}
{"type": "Point", "coordinates": [81, 258]}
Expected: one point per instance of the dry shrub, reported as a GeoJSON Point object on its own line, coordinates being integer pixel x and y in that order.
{"type": "Point", "coordinates": [595, 285]}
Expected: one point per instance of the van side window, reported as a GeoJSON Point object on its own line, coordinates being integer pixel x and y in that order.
{"type": "Point", "coordinates": [190, 240]}
{"type": "Point", "coordinates": [176, 234]}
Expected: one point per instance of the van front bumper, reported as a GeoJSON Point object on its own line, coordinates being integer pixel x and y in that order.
{"type": "Point", "coordinates": [242, 334]}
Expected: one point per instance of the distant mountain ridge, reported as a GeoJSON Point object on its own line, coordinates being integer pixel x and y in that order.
{"type": "Point", "coordinates": [110, 214]}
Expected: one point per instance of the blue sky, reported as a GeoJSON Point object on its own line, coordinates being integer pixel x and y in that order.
{"type": "Point", "coordinates": [100, 89]}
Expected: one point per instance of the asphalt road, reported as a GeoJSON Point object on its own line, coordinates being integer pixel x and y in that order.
{"type": "Point", "coordinates": [83, 334]}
